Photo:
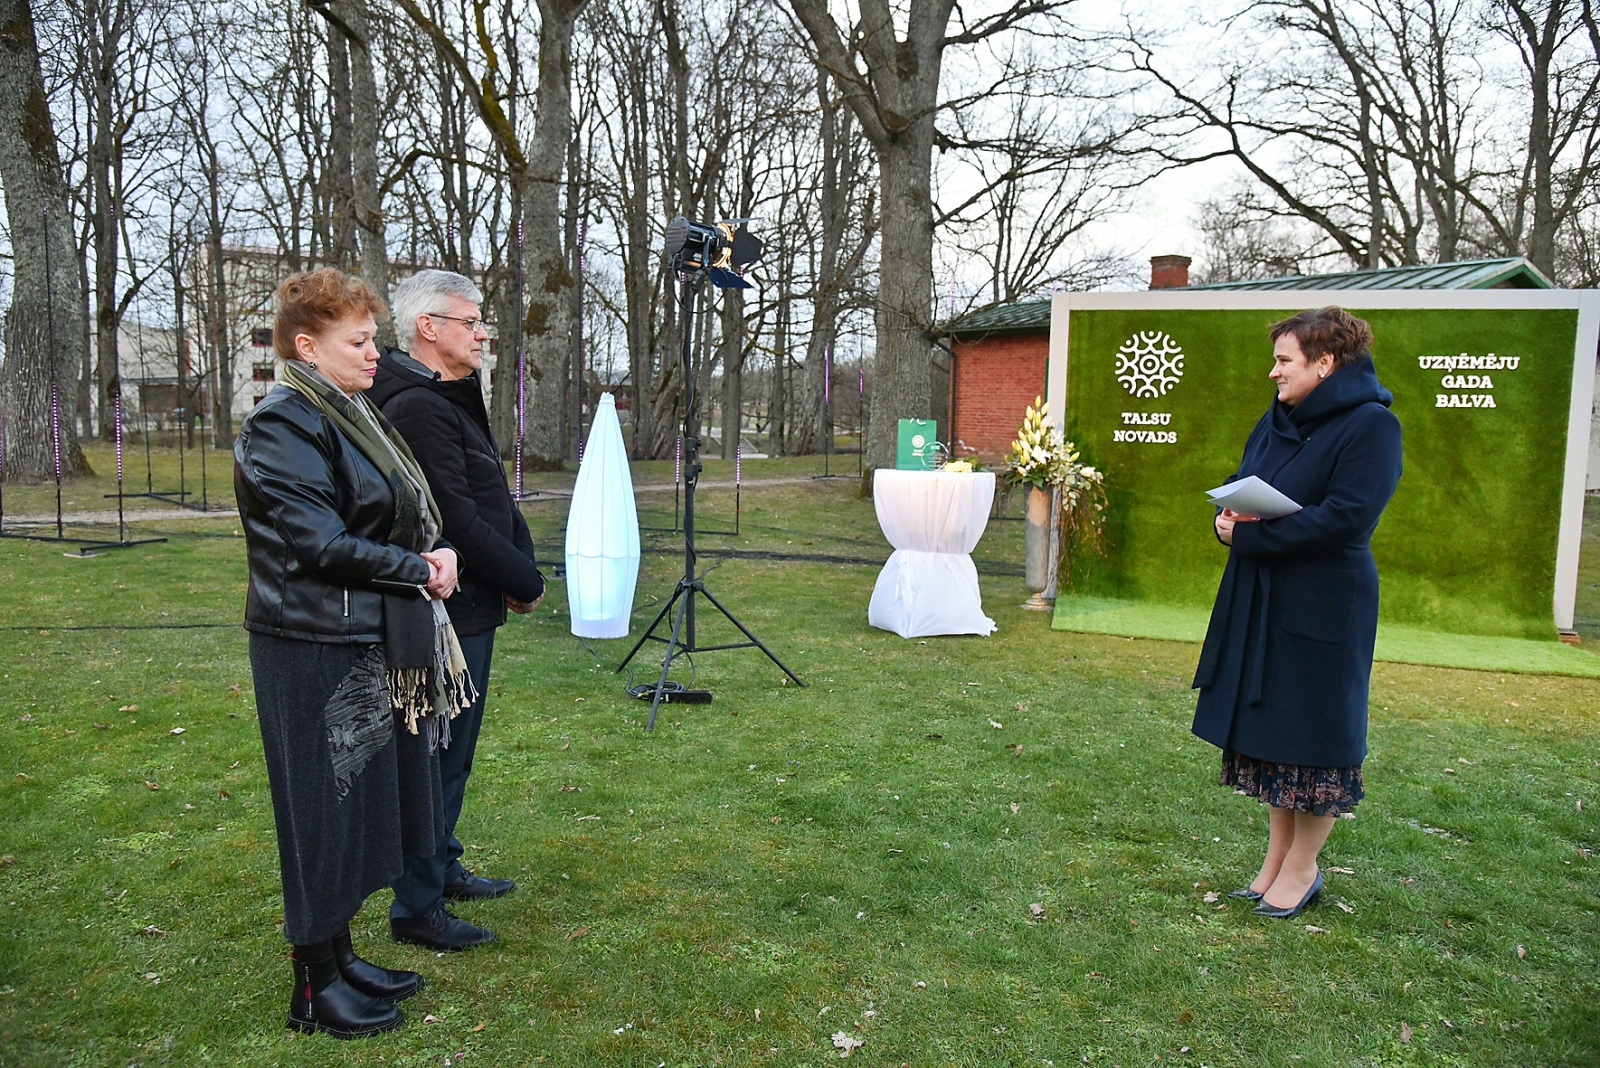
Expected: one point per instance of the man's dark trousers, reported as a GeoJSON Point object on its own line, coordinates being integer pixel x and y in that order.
{"type": "Point", "coordinates": [421, 886]}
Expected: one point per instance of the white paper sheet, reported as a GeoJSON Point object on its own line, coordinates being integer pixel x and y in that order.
{"type": "Point", "coordinates": [1252, 496]}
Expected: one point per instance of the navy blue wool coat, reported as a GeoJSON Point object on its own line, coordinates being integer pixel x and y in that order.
{"type": "Point", "coordinates": [1284, 672]}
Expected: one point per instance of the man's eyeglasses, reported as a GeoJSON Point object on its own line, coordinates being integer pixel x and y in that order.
{"type": "Point", "coordinates": [473, 325]}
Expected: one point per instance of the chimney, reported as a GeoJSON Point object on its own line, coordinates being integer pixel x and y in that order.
{"type": "Point", "coordinates": [1169, 272]}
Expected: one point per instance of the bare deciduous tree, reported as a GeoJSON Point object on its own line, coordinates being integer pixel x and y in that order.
{"type": "Point", "coordinates": [44, 325]}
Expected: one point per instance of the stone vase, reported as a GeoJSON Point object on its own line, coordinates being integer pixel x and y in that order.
{"type": "Point", "coordinates": [1042, 538]}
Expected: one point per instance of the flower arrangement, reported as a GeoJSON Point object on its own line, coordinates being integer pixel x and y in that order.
{"type": "Point", "coordinates": [1041, 457]}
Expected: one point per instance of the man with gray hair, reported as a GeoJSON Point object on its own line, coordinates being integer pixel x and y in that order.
{"type": "Point", "coordinates": [433, 395]}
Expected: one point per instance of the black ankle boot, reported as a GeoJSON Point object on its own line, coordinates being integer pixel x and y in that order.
{"type": "Point", "coordinates": [370, 979]}
{"type": "Point", "coordinates": [323, 1001]}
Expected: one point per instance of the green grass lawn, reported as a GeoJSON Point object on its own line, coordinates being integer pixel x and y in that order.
{"type": "Point", "coordinates": [857, 856]}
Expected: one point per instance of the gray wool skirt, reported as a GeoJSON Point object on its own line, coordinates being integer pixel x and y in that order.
{"type": "Point", "coordinates": [352, 793]}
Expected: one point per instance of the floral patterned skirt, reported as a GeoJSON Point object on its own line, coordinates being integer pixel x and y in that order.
{"type": "Point", "coordinates": [1319, 791]}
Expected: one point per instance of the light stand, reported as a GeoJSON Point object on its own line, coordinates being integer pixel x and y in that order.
{"type": "Point", "coordinates": [827, 415]}
{"type": "Point", "coordinates": [683, 639]}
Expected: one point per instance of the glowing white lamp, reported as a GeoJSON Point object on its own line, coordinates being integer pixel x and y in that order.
{"type": "Point", "coordinates": [602, 533]}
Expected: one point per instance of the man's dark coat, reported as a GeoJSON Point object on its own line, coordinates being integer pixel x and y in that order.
{"type": "Point", "coordinates": [447, 427]}
{"type": "Point", "coordinates": [1284, 672]}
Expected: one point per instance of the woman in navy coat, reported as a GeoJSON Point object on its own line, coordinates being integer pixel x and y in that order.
{"type": "Point", "coordinates": [1287, 659]}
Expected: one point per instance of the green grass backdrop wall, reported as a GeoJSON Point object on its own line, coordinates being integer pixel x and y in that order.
{"type": "Point", "coordinates": [1468, 544]}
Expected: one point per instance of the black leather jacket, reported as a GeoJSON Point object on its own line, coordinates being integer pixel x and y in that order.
{"type": "Point", "coordinates": [315, 513]}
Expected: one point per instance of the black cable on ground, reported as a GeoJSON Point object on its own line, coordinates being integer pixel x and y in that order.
{"type": "Point", "coordinates": [130, 626]}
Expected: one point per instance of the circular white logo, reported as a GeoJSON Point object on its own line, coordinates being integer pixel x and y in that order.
{"type": "Point", "coordinates": [918, 441]}
{"type": "Point", "coordinates": [1149, 364]}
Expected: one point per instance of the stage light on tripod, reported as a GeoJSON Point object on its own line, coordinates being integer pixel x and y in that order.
{"type": "Point", "coordinates": [602, 533]}
{"type": "Point", "coordinates": [721, 250]}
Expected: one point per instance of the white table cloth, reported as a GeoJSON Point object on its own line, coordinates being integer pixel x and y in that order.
{"type": "Point", "coordinates": [934, 520]}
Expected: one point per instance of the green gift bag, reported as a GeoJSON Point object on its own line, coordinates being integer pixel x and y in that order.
{"type": "Point", "coordinates": [916, 451]}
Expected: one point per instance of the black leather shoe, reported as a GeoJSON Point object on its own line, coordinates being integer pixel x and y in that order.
{"type": "Point", "coordinates": [1246, 893]}
{"type": "Point", "coordinates": [324, 1002]}
{"type": "Point", "coordinates": [476, 888]}
{"type": "Point", "coordinates": [1265, 909]}
{"type": "Point", "coordinates": [384, 983]}
{"type": "Point", "coordinates": [440, 929]}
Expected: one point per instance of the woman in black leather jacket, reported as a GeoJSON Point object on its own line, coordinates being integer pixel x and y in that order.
{"type": "Point", "coordinates": [355, 666]}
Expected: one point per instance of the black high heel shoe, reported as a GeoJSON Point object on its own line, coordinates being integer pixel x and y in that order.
{"type": "Point", "coordinates": [1246, 893]}
{"type": "Point", "coordinates": [1265, 909]}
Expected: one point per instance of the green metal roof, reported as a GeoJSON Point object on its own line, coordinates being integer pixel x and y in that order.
{"type": "Point", "coordinates": [1022, 317]}
{"type": "Point", "coordinates": [1513, 272]}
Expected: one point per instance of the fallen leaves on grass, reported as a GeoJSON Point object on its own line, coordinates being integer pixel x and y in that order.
{"type": "Point", "coordinates": [1342, 907]}
{"type": "Point", "coordinates": [1312, 928]}
{"type": "Point", "coordinates": [128, 708]}
{"type": "Point", "coordinates": [1037, 908]}
{"type": "Point", "coordinates": [27, 717]}
{"type": "Point", "coordinates": [997, 725]}
{"type": "Point", "coordinates": [1015, 808]}
{"type": "Point", "coordinates": [920, 985]}
{"type": "Point", "coordinates": [152, 785]}
{"type": "Point", "coordinates": [1405, 1034]}
{"type": "Point", "coordinates": [7, 860]}
{"type": "Point", "coordinates": [152, 931]}
{"type": "Point", "coordinates": [845, 1044]}
{"type": "Point", "coordinates": [1341, 871]}
{"type": "Point", "coordinates": [176, 730]}
{"type": "Point", "coordinates": [579, 933]}
{"type": "Point", "coordinates": [431, 1018]}
{"type": "Point", "coordinates": [102, 726]}
{"type": "Point", "coordinates": [480, 1027]}
{"type": "Point", "coordinates": [1212, 897]}
{"type": "Point", "coordinates": [568, 788]}
{"type": "Point", "coordinates": [1521, 952]}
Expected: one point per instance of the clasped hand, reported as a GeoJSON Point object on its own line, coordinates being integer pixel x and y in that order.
{"type": "Point", "coordinates": [522, 608]}
{"type": "Point", "coordinates": [443, 572]}
{"type": "Point", "coordinates": [1226, 520]}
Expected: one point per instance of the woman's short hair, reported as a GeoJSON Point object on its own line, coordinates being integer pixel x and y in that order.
{"type": "Point", "coordinates": [1328, 332]}
{"type": "Point", "coordinates": [424, 293]}
{"type": "Point", "coordinates": [311, 301]}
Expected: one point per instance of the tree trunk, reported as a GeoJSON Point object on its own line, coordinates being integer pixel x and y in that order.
{"type": "Point", "coordinates": [548, 321]}
{"type": "Point", "coordinates": [731, 355]}
{"type": "Point", "coordinates": [221, 338]}
{"type": "Point", "coordinates": [366, 205]}
{"type": "Point", "coordinates": [572, 417]}
{"type": "Point", "coordinates": [901, 364]}
{"type": "Point", "coordinates": [340, 191]}
{"type": "Point", "coordinates": [45, 323]}
{"type": "Point", "coordinates": [105, 28]}
{"type": "Point", "coordinates": [895, 101]}
{"type": "Point", "coordinates": [814, 425]}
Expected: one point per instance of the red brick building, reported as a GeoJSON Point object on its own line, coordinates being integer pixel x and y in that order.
{"type": "Point", "coordinates": [998, 369]}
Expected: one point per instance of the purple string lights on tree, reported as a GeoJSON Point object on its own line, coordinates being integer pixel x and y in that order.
{"type": "Point", "coordinates": [522, 369]}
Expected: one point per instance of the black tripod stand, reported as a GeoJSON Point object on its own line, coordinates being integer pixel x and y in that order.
{"type": "Point", "coordinates": [691, 584]}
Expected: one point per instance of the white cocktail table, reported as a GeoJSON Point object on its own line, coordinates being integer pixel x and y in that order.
{"type": "Point", "coordinates": [934, 520]}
